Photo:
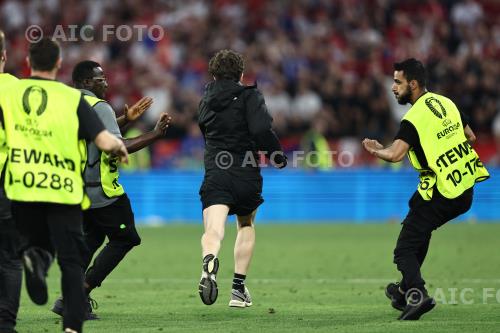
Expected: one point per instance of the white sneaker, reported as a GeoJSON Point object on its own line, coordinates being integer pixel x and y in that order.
{"type": "Point", "coordinates": [239, 299]}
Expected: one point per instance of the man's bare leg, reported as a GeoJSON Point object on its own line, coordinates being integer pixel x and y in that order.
{"type": "Point", "coordinates": [245, 242]}
{"type": "Point", "coordinates": [243, 252]}
{"type": "Point", "coordinates": [214, 219]}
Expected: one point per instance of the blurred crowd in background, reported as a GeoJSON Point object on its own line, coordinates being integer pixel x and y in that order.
{"type": "Point", "coordinates": [325, 67]}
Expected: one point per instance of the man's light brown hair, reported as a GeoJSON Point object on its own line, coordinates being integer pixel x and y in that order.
{"type": "Point", "coordinates": [226, 65]}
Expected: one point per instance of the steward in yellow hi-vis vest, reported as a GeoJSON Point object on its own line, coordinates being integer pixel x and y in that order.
{"type": "Point", "coordinates": [45, 156]}
{"type": "Point", "coordinates": [108, 166]}
{"type": "Point", "coordinates": [44, 122]}
{"type": "Point", "coordinates": [453, 165]}
{"type": "Point", "coordinates": [110, 214]}
{"type": "Point", "coordinates": [435, 136]}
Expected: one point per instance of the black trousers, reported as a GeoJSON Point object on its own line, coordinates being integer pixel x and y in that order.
{"type": "Point", "coordinates": [115, 221]}
{"type": "Point", "coordinates": [57, 229]}
{"type": "Point", "coordinates": [423, 218]}
{"type": "Point", "coordinates": [10, 274]}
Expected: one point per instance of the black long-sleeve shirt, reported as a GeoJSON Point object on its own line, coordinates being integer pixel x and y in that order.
{"type": "Point", "coordinates": [234, 118]}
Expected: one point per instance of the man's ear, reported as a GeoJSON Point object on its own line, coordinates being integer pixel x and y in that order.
{"type": "Point", "coordinates": [413, 84]}
{"type": "Point", "coordinates": [3, 56]}
{"type": "Point", "coordinates": [28, 62]}
{"type": "Point", "coordinates": [59, 63]}
{"type": "Point", "coordinates": [87, 82]}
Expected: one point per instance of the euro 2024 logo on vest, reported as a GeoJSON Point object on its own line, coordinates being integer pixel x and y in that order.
{"type": "Point", "coordinates": [433, 104]}
{"type": "Point", "coordinates": [446, 122]}
{"type": "Point", "coordinates": [35, 98]}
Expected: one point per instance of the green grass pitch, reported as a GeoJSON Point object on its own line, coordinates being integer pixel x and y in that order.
{"type": "Point", "coordinates": [304, 278]}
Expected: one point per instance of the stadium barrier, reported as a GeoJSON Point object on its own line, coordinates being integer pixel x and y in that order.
{"type": "Point", "coordinates": [345, 196]}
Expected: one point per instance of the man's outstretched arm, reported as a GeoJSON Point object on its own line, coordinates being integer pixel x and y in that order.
{"type": "Point", "coordinates": [146, 139]}
{"type": "Point", "coordinates": [395, 152]}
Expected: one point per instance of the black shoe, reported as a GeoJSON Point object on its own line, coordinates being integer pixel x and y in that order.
{"type": "Point", "coordinates": [208, 286]}
{"type": "Point", "coordinates": [36, 263]}
{"type": "Point", "coordinates": [398, 300]}
{"type": "Point", "coordinates": [58, 308]}
{"type": "Point", "coordinates": [90, 314]}
{"type": "Point", "coordinates": [418, 304]}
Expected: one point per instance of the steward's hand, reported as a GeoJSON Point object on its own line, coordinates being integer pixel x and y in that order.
{"type": "Point", "coordinates": [163, 123]}
{"type": "Point", "coordinates": [136, 110]}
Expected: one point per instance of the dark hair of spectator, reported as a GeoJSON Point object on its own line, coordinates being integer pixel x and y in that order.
{"type": "Point", "coordinates": [84, 70]}
{"type": "Point", "coordinates": [412, 70]}
{"type": "Point", "coordinates": [226, 65]}
{"type": "Point", "coordinates": [44, 54]}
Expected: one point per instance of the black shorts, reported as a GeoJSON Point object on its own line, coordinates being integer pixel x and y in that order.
{"type": "Point", "coordinates": [241, 191]}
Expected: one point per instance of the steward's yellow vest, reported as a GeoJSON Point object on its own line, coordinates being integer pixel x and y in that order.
{"type": "Point", "coordinates": [44, 154]}
{"type": "Point", "coordinates": [453, 165]}
{"type": "Point", "coordinates": [5, 81]}
{"type": "Point", "coordinates": [6, 78]}
{"type": "Point", "coordinates": [108, 166]}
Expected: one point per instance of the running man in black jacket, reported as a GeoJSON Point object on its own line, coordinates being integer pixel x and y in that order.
{"type": "Point", "coordinates": [236, 125]}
